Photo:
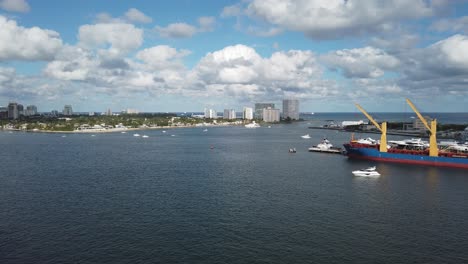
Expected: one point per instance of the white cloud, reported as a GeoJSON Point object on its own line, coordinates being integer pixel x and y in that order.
{"type": "Point", "coordinates": [20, 6]}
{"type": "Point", "coordinates": [162, 56]}
{"type": "Point", "coordinates": [451, 25]}
{"type": "Point", "coordinates": [336, 18]}
{"type": "Point", "coordinates": [270, 32]}
{"type": "Point", "coordinates": [206, 23]}
{"type": "Point", "coordinates": [71, 64]}
{"type": "Point", "coordinates": [121, 38]}
{"type": "Point", "coordinates": [135, 15]}
{"type": "Point", "coordinates": [231, 11]}
{"type": "Point", "coordinates": [177, 30]}
{"type": "Point", "coordinates": [19, 43]}
{"type": "Point", "coordinates": [367, 62]}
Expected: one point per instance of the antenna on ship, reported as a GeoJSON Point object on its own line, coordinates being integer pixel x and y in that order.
{"type": "Point", "coordinates": [382, 128]}
{"type": "Point", "coordinates": [433, 150]}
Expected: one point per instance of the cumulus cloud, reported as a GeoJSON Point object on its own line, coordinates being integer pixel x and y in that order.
{"type": "Point", "coordinates": [451, 25]}
{"type": "Point", "coordinates": [121, 38]}
{"type": "Point", "coordinates": [162, 56]}
{"type": "Point", "coordinates": [135, 15]}
{"type": "Point", "coordinates": [177, 30]}
{"type": "Point", "coordinates": [19, 43]}
{"type": "Point", "coordinates": [322, 19]}
{"type": "Point", "coordinates": [20, 6]}
{"type": "Point", "coordinates": [184, 30]}
{"type": "Point", "coordinates": [367, 62]}
{"type": "Point", "coordinates": [231, 11]}
{"type": "Point", "coordinates": [132, 15]}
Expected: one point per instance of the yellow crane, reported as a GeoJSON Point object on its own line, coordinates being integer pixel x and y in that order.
{"type": "Point", "coordinates": [382, 128]}
{"type": "Point", "coordinates": [433, 150]}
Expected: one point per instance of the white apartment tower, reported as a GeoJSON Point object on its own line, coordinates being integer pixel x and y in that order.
{"type": "Point", "coordinates": [247, 114]}
{"type": "Point", "coordinates": [210, 113]}
{"type": "Point", "coordinates": [229, 114]}
{"type": "Point", "coordinates": [271, 115]}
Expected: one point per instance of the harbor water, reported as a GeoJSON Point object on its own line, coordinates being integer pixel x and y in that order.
{"type": "Point", "coordinates": [225, 195]}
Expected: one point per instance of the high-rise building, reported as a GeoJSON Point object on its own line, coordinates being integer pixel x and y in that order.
{"type": "Point", "coordinates": [108, 112]}
{"type": "Point", "coordinates": [3, 112]}
{"type": "Point", "coordinates": [259, 109]}
{"type": "Point", "coordinates": [30, 110]}
{"type": "Point", "coordinates": [210, 113]}
{"type": "Point", "coordinates": [271, 115]}
{"type": "Point", "coordinates": [247, 114]}
{"type": "Point", "coordinates": [291, 109]}
{"type": "Point", "coordinates": [229, 114]}
{"type": "Point", "coordinates": [67, 110]}
{"type": "Point", "coordinates": [54, 113]}
{"type": "Point", "coordinates": [13, 110]}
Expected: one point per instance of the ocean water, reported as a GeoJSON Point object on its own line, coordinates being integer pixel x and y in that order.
{"type": "Point", "coordinates": [228, 195]}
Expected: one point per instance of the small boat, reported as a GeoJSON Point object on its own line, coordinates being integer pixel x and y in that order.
{"type": "Point", "coordinates": [144, 136]}
{"type": "Point", "coordinates": [64, 136]}
{"type": "Point", "coordinates": [305, 136]}
{"type": "Point", "coordinates": [164, 131]}
{"type": "Point", "coordinates": [136, 135]}
{"type": "Point", "coordinates": [326, 146]}
{"type": "Point", "coordinates": [172, 135]}
{"type": "Point", "coordinates": [292, 150]}
{"type": "Point", "coordinates": [123, 132]}
{"type": "Point", "coordinates": [205, 130]}
{"type": "Point", "coordinates": [369, 172]}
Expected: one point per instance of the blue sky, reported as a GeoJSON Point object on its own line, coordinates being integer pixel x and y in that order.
{"type": "Point", "coordinates": [187, 55]}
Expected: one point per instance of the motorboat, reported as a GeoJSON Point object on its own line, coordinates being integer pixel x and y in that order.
{"type": "Point", "coordinates": [306, 136]}
{"type": "Point", "coordinates": [252, 125]}
{"type": "Point", "coordinates": [369, 172]}
{"type": "Point", "coordinates": [205, 130]}
{"type": "Point", "coordinates": [136, 135]}
{"type": "Point", "coordinates": [144, 136]}
{"type": "Point", "coordinates": [292, 150]}
{"type": "Point", "coordinates": [325, 146]}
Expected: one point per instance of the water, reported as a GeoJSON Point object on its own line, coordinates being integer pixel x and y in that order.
{"type": "Point", "coordinates": [228, 195]}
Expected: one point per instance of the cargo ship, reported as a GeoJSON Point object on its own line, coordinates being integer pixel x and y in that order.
{"type": "Point", "coordinates": [455, 156]}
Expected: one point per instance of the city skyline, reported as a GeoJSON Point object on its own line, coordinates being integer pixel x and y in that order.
{"type": "Point", "coordinates": [184, 56]}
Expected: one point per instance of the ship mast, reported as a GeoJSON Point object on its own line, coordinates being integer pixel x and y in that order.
{"type": "Point", "coordinates": [382, 128]}
{"type": "Point", "coordinates": [433, 150]}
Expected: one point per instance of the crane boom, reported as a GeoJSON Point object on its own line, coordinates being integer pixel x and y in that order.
{"type": "Point", "coordinates": [433, 149]}
{"type": "Point", "coordinates": [423, 120]}
{"type": "Point", "coordinates": [369, 117]}
{"type": "Point", "coordinates": [382, 128]}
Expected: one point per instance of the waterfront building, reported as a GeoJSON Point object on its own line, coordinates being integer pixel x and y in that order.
{"type": "Point", "coordinates": [20, 110]}
{"type": "Point", "coordinates": [13, 110]}
{"type": "Point", "coordinates": [418, 124]}
{"type": "Point", "coordinates": [259, 109]}
{"type": "Point", "coordinates": [291, 109]}
{"type": "Point", "coordinates": [67, 110]}
{"type": "Point", "coordinates": [247, 114]}
{"type": "Point", "coordinates": [30, 110]}
{"type": "Point", "coordinates": [271, 115]}
{"type": "Point", "coordinates": [108, 112]}
{"type": "Point", "coordinates": [210, 113]}
{"type": "Point", "coordinates": [3, 112]}
{"type": "Point", "coordinates": [229, 114]}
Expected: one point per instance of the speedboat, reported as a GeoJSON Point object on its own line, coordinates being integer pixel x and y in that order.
{"type": "Point", "coordinates": [369, 172]}
{"type": "Point", "coordinates": [305, 136]}
{"type": "Point", "coordinates": [144, 136]}
{"type": "Point", "coordinates": [136, 135]}
{"type": "Point", "coordinates": [205, 130]}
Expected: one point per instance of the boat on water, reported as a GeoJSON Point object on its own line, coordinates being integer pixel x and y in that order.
{"type": "Point", "coordinates": [292, 150]}
{"type": "Point", "coordinates": [411, 151]}
{"type": "Point", "coordinates": [369, 172]}
{"type": "Point", "coordinates": [205, 130]}
{"type": "Point", "coordinates": [326, 146]}
{"type": "Point", "coordinates": [306, 136]}
{"type": "Point", "coordinates": [252, 125]}
{"type": "Point", "coordinates": [136, 135]}
{"type": "Point", "coordinates": [144, 136]}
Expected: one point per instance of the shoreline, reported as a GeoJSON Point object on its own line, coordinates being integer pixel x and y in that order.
{"type": "Point", "coordinates": [114, 130]}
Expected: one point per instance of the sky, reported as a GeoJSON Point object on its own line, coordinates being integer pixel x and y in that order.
{"type": "Point", "coordinates": [187, 55]}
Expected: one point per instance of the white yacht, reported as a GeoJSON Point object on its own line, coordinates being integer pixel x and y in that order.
{"type": "Point", "coordinates": [144, 136]}
{"type": "Point", "coordinates": [136, 135]}
{"type": "Point", "coordinates": [252, 125]}
{"type": "Point", "coordinates": [306, 136]}
{"type": "Point", "coordinates": [325, 146]}
{"type": "Point", "coordinates": [369, 172]}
